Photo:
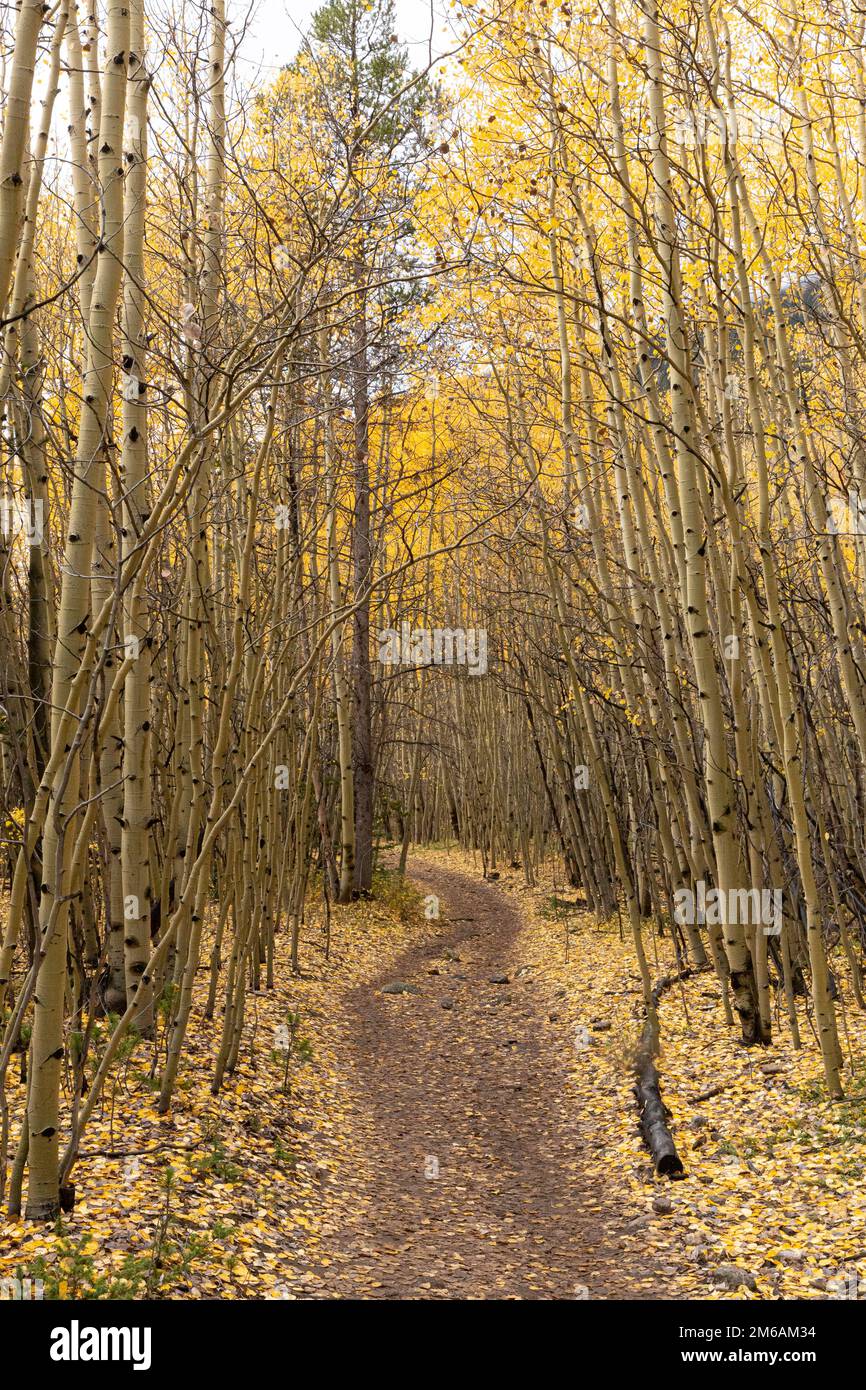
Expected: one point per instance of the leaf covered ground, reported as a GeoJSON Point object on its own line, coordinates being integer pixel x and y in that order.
{"type": "Point", "coordinates": [223, 1197]}
{"type": "Point", "coordinates": [458, 1120]}
{"type": "Point", "coordinates": [774, 1184]}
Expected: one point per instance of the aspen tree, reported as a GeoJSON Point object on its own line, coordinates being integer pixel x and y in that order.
{"type": "Point", "coordinates": [13, 143]}
{"type": "Point", "coordinates": [137, 889]}
{"type": "Point", "coordinates": [720, 788]}
{"type": "Point", "coordinates": [47, 1043]}
{"type": "Point", "coordinates": [344, 727]}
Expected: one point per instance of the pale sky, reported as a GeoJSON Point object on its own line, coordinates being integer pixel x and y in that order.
{"type": "Point", "coordinates": [274, 33]}
{"type": "Point", "coordinates": [278, 26]}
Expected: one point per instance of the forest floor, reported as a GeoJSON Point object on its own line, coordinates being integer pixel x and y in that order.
{"type": "Point", "coordinates": [464, 1127]}
{"type": "Point", "coordinates": [486, 1181]}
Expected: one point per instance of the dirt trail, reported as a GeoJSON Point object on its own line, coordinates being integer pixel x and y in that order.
{"type": "Point", "coordinates": [481, 1188]}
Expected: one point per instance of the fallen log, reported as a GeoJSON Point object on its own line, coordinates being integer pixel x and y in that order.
{"type": "Point", "coordinates": [654, 1114]}
{"type": "Point", "coordinates": [654, 1122]}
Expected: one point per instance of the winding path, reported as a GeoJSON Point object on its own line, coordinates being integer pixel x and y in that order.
{"type": "Point", "coordinates": [484, 1186]}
